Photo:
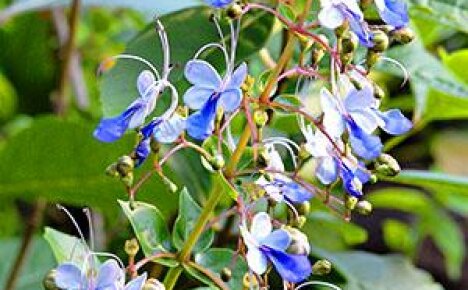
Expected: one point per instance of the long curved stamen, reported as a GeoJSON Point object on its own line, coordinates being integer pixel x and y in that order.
{"type": "Point", "coordinates": [174, 101]}
{"type": "Point", "coordinates": [321, 283]}
{"type": "Point", "coordinates": [215, 45]}
{"type": "Point", "coordinates": [399, 65]}
{"type": "Point", "coordinates": [285, 143]}
{"type": "Point", "coordinates": [293, 209]}
{"type": "Point", "coordinates": [87, 212]}
{"type": "Point", "coordinates": [140, 59]}
{"type": "Point", "coordinates": [165, 48]}
{"type": "Point", "coordinates": [75, 224]}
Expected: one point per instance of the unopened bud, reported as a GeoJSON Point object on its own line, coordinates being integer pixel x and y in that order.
{"type": "Point", "coordinates": [364, 207]}
{"type": "Point", "coordinates": [373, 179]}
{"type": "Point", "coordinates": [132, 247]}
{"type": "Point", "coordinates": [249, 281]}
{"type": "Point", "coordinates": [303, 208]}
{"type": "Point", "coordinates": [260, 118]}
{"type": "Point", "coordinates": [349, 42]}
{"type": "Point", "coordinates": [49, 280]}
{"type": "Point", "coordinates": [387, 165]}
{"type": "Point", "coordinates": [234, 11]}
{"type": "Point", "coordinates": [380, 40]}
{"type": "Point", "coordinates": [153, 284]}
{"type": "Point", "coordinates": [372, 58]}
{"type": "Point", "coordinates": [403, 35]}
{"type": "Point", "coordinates": [299, 243]}
{"type": "Point", "coordinates": [217, 162]}
{"type": "Point", "coordinates": [111, 170]}
{"type": "Point", "coordinates": [299, 222]}
{"type": "Point", "coordinates": [128, 179]}
{"type": "Point", "coordinates": [322, 267]}
{"type": "Point", "coordinates": [125, 165]}
{"type": "Point", "coordinates": [226, 274]}
{"type": "Point", "coordinates": [350, 202]}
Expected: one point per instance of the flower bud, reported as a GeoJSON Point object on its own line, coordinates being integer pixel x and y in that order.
{"type": "Point", "coordinates": [403, 35]}
{"type": "Point", "coordinates": [387, 165]}
{"type": "Point", "coordinates": [372, 58]}
{"type": "Point", "coordinates": [373, 179]}
{"type": "Point", "coordinates": [260, 118]}
{"type": "Point", "coordinates": [249, 281]}
{"type": "Point", "coordinates": [153, 284]}
{"type": "Point", "coordinates": [349, 42]}
{"type": "Point", "coordinates": [132, 247]}
{"type": "Point", "coordinates": [128, 179]}
{"type": "Point", "coordinates": [364, 207]}
{"type": "Point", "coordinates": [226, 274]}
{"type": "Point", "coordinates": [321, 267]}
{"type": "Point", "coordinates": [350, 202]}
{"type": "Point", "coordinates": [125, 165]}
{"type": "Point", "coordinates": [380, 40]}
{"type": "Point", "coordinates": [234, 11]}
{"type": "Point", "coordinates": [217, 162]}
{"type": "Point", "coordinates": [111, 170]}
{"type": "Point", "coordinates": [303, 208]}
{"type": "Point", "coordinates": [299, 221]}
{"type": "Point", "coordinates": [49, 280]}
{"type": "Point", "coordinates": [299, 243]}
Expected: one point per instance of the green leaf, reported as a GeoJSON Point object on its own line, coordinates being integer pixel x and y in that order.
{"type": "Point", "coordinates": [399, 236]}
{"type": "Point", "coordinates": [61, 161]}
{"type": "Point", "coordinates": [453, 13]}
{"type": "Point", "coordinates": [365, 271]}
{"type": "Point", "coordinates": [149, 226]}
{"type": "Point", "coordinates": [189, 211]}
{"type": "Point", "coordinates": [441, 106]}
{"type": "Point", "coordinates": [37, 263]}
{"type": "Point", "coordinates": [335, 234]}
{"type": "Point", "coordinates": [66, 248]}
{"type": "Point", "coordinates": [188, 31]}
{"type": "Point", "coordinates": [218, 259]}
{"type": "Point", "coordinates": [426, 73]}
{"type": "Point", "coordinates": [456, 62]}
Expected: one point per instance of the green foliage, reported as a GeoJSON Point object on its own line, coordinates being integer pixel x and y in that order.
{"type": "Point", "coordinates": [189, 211]}
{"type": "Point", "coordinates": [453, 13]}
{"type": "Point", "coordinates": [66, 248]}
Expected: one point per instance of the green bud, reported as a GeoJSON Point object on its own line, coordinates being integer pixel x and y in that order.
{"type": "Point", "coordinates": [299, 243]}
{"type": "Point", "coordinates": [380, 40]}
{"type": "Point", "coordinates": [226, 274]}
{"type": "Point", "coordinates": [128, 179]}
{"type": "Point", "coordinates": [249, 281]}
{"type": "Point", "coordinates": [125, 165]}
{"type": "Point", "coordinates": [349, 42]}
{"type": "Point", "coordinates": [49, 280]}
{"type": "Point", "coordinates": [350, 202]}
{"type": "Point", "coordinates": [111, 170]}
{"type": "Point", "coordinates": [234, 11]}
{"type": "Point", "coordinates": [387, 165]}
{"type": "Point", "coordinates": [299, 222]}
{"type": "Point", "coordinates": [373, 179]}
{"type": "Point", "coordinates": [364, 207]}
{"type": "Point", "coordinates": [321, 267]}
{"type": "Point", "coordinates": [260, 118]}
{"type": "Point", "coordinates": [131, 247]}
{"type": "Point", "coordinates": [217, 162]}
{"type": "Point", "coordinates": [153, 284]}
{"type": "Point", "coordinates": [403, 35]}
{"type": "Point", "coordinates": [372, 58]}
{"type": "Point", "coordinates": [304, 208]}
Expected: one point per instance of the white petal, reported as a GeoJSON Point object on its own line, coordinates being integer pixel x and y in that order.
{"type": "Point", "coordinates": [332, 119]}
{"type": "Point", "coordinates": [261, 226]}
{"type": "Point", "coordinates": [330, 17]}
{"type": "Point", "coordinates": [195, 97]}
{"type": "Point", "coordinates": [256, 260]}
{"type": "Point", "coordinates": [366, 120]}
{"type": "Point", "coordinates": [202, 74]}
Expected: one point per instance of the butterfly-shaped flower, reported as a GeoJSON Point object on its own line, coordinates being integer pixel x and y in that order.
{"type": "Point", "coordinates": [393, 12]}
{"type": "Point", "coordinates": [111, 129]}
{"type": "Point", "coordinates": [218, 3]}
{"type": "Point", "coordinates": [335, 12]}
{"type": "Point", "coordinates": [265, 244]}
{"type": "Point", "coordinates": [208, 93]}
{"type": "Point", "coordinates": [358, 113]}
{"type": "Point", "coordinates": [109, 276]}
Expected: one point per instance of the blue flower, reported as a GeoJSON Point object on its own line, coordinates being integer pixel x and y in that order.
{"type": "Point", "coordinates": [111, 129]}
{"type": "Point", "coordinates": [218, 3]}
{"type": "Point", "coordinates": [108, 276]}
{"type": "Point", "coordinates": [208, 93]}
{"type": "Point", "coordinates": [335, 12]}
{"type": "Point", "coordinates": [393, 12]}
{"type": "Point", "coordinates": [358, 113]}
{"type": "Point", "coordinates": [283, 188]}
{"type": "Point", "coordinates": [265, 244]}
{"type": "Point", "coordinates": [163, 131]}
{"type": "Point", "coordinates": [353, 179]}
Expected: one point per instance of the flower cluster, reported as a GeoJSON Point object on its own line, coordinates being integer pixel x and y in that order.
{"type": "Point", "coordinates": [342, 141]}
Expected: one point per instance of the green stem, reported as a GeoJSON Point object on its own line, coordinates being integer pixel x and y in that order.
{"type": "Point", "coordinates": [184, 255]}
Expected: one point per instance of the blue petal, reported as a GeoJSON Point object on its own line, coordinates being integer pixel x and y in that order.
{"type": "Point", "coordinates": [395, 13]}
{"type": "Point", "coordinates": [69, 276]}
{"type": "Point", "coordinates": [359, 27]}
{"type": "Point", "coordinates": [137, 283]}
{"type": "Point", "coordinates": [195, 97]}
{"type": "Point", "coordinates": [394, 122]}
{"type": "Point", "coordinates": [292, 268]}
{"type": "Point", "coordinates": [142, 151]}
{"type": "Point", "coordinates": [278, 239]}
{"type": "Point", "coordinates": [202, 74]}
{"type": "Point", "coordinates": [218, 3]}
{"type": "Point", "coordinates": [170, 130]}
{"type": "Point", "coordinates": [200, 124]}
{"type": "Point", "coordinates": [231, 99]}
{"type": "Point", "coordinates": [111, 129]}
{"type": "Point", "coordinates": [361, 174]}
{"type": "Point", "coordinates": [295, 193]}
{"type": "Point", "coordinates": [351, 183]}
{"type": "Point", "coordinates": [238, 77]}
{"type": "Point", "coordinates": [364, 145]}
{"type": "Point", "coordinates": [327, 170]}
{"type": "Point", "coordinates": [109, 275]}
{"type": "Point", "coordinates": [145, 81]}
{"type": "Point", "coordinates": [148, 130]}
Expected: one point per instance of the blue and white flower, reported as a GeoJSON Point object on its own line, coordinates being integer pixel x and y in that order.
{"type": "Point", "coordinates": [335, 13]}
{"type": "Point", "coordinates": [393, 12]}
{"type": "Point", "coordinates": [208, 93]}
{"type": "Point", "coordinates": [109, 276]}
{"type": "Point", "coordinates": [267, 245]}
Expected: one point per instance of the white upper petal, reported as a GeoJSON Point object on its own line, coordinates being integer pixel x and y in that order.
{"type": "Point", "coordinates": [202, 74]}
{"type": "Point", "coordinates": [365, 119]}
{"type": "Point", "coordinates": [330, 17]}
{"type": "Point", "coordinates": [261, 226]}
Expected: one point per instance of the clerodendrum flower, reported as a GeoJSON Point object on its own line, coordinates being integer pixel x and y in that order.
{"type": "Point", "coordinates": [208, 93]}
{"type": "Point", "coordinates": [265, 244]}
{"type": "Point", "coordinates": [336, 12]}
{"type": "Point", "coordinates": [393, 12]}
{"type": "Point", "coordinates": [109, 276]}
